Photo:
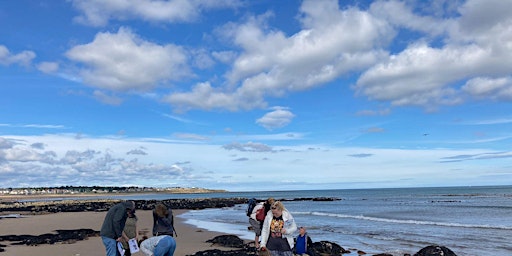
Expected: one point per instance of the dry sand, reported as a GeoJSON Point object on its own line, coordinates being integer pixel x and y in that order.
{"type": "Point", "coordinates": [190, 239]}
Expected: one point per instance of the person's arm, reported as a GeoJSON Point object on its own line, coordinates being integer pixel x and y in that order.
{"type": "Point", "coordinates": [155, 219]}
{"type": "Point", "coordinates": [265, 230]}
{"type": "Point", "coordinates": [289, 224]}
{"type": "Point", "coordinates": [125, 237]}
{"type": "Point", "coordinates": [119, 219]}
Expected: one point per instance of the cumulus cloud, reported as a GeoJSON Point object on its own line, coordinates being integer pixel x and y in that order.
{"type": "Point", "coordinates": [98, 12]}
{"type": "Point", "coordinates": [424, 75]}
{"type": "Point", "coordinates": [23, 58]}
{"type": "Point", "coordinates": [123, 61]}
{"type": "Point", "coordinates": [272, 64]}
{"type": "Point", "coordinates": [25, 163]}
{"type": "Point", "coordinates": [452, 43]}
{"type": "Point", "coordinates": [493, 88]}
{"type": "Point", "coordinates": [278, 118]}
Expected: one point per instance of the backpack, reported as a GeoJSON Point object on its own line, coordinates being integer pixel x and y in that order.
{"type": "Point", "coordinates": [260, 214]}
{"type": "Point", "coordinates": [250, 206]}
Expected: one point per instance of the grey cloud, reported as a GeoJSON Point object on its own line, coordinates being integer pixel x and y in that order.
{"type": "Point", "coordinates": [248, 147]}
{"type": "Point", "coordinates": [137, 152]}
{"type": "Point", "coordinates": [37, 145]}
{"type": "Point", "coordinates": [73, 156]}
{"type": "Point", "coordinates": [5, 143]}
{"type": "Point", "coordinates": [362, 155]}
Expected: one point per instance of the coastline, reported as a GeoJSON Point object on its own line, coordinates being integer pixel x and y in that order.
{"type": "Point", "coordinates": [190, 239]}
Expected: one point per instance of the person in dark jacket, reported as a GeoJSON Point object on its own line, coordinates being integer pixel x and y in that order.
{"type": "Point", "coordinates": [163, 221]}
{"type": "Point", "coordinates": [112, 229]}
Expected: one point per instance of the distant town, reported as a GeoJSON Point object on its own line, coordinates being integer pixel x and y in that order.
{"type": "Point", "coordinates": [73, 190]}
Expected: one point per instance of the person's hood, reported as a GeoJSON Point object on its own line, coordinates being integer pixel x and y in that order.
{"type": "Point", "coordinates": [128, 205]}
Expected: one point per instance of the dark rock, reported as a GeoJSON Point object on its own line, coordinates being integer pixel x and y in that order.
{"type": "Point", "coordinates": [227, 241]}
{"type": "Point", "coordinates": [217, 252]}
{"type": "Point", "coordinates": [326, 248]}
{"type": "Point", "coordinates": [435, 250]}
{"type": "Point", "coordinates": [66, 236]}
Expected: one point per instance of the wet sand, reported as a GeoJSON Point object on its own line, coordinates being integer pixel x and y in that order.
{"type": "Point", "coordinates": [189, 240]}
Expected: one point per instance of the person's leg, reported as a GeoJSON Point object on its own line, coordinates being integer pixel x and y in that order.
{"type": "Point", "coordinates": [257, 231]}
{"type": "Point", "coordinates": [172, 247]}
{"type": "Point", "coordinates": [110, 246]}
{"type": "Point", "coordinates": [165, 247]}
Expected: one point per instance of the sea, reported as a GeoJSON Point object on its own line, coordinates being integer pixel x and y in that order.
{"type": "Point", "coordinates": [474, 221]}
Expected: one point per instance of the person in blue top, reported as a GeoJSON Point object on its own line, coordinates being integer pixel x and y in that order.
{"type": "Point", "coordinates": [302, 242]}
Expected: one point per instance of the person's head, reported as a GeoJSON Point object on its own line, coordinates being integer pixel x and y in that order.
{"type": "Point", "coordinates": [277, 208]}
{"type": "Point", "coordinates": [161, 210]}
{"type": "Point", "coordinates": [302, 231]}
{"type": "Point", "coordinates": [270, 201]}
{"type": "Point", "coordinates": [131, 213]}
{"type": "Point", "coordinates": [129, 205]}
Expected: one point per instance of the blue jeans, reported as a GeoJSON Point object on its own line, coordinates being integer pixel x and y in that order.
{"type": "Point", "coordinates": [110, 246]}
{"type": "Point", "coordinates": [165, 247]}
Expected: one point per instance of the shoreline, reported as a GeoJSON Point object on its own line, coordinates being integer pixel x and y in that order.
{"type": "Point", "coordinates": [190, 239]}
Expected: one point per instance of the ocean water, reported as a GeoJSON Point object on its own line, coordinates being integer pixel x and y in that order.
{"type": "Point", "coordinates": [474, 221]}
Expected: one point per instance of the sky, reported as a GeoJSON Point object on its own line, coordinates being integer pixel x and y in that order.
{"type": "Point", "coordinates": [261, 95]}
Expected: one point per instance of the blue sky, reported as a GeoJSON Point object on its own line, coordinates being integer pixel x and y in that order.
{"type": "Point", "coordinates": [255, 95]}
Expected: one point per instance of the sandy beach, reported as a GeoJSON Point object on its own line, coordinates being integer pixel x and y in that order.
{"type": "Point", "coordinates": [190, 239]}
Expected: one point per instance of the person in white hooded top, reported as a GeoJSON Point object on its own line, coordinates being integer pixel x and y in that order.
{"type": "Point", "coordinates": [278, 231]}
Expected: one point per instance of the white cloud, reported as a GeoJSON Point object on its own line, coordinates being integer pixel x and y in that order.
{"type": "Point", "coordinates": [123, 62]}
{"type": "Point", "coordinates": [493, 88]}
{"type": "Point", "coordinates": [103, 161]}
{"type": "Point", "coordinates": [23, 58]}
{"type": "Point", "coordinates": [278, 118]}
{"type": "Point", "coordinates": [98, 12]}
{"type": "Point", "coordinates": [48, 67]}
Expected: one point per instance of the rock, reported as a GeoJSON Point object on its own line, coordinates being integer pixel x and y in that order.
{"type": "Point", "coordinates": [326, 248]}
{"type": "Point", "coordinates": [227, 241]}
{"type": "Point", "coordinates": [435, 250]}
{"type": "Point", "coordinates": [62, 236]}
{"type": "Point", "coordinates": [217, 252]}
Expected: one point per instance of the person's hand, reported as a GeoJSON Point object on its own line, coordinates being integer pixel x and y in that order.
{"type": "Point", "coordinates": [119, 239]}
{"type": "Point", "coordinates": [283, 231]}
{"type": "Point", "coordinates": [263, 248]}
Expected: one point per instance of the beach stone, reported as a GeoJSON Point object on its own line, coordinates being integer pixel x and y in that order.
{"type": "Point", "coordinates": [435, 250]}
{"type": "Point", "coordinates": [326, 248]}
{"type": "Point", "coordinates": [227, 241]}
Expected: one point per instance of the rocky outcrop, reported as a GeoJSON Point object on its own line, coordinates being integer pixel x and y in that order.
{"type": "Point", "coordinates": [62, 236]}
{"type": "Point", "coordinates": [105, 204]}
{"type": "Point", "coordinates": [435, 250]}
{"type": "Point", "coordinates": [326, 248]}
{"type": "Point", "coordinates": [227, 241]}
